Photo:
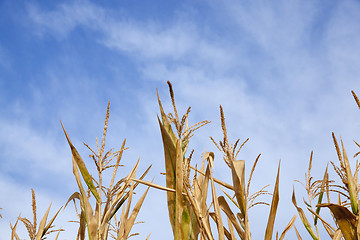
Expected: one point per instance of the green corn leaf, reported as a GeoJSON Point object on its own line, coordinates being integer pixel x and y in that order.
{"type": "Point", "coordinates": [322, 190]}
{"type": "Point", "coordinates": [303, 218]}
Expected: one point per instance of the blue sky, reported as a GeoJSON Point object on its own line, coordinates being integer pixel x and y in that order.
{"type": "Point", "coordinates": [282, 70]}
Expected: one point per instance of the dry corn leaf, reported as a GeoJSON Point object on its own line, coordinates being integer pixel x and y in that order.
{"type": "Point", "coordinates": [230, 215]}
{"type": "Point", "coordinates": [337, 235]}
{"type": "Point", "coordinates": [48, 226]}
{"type": "Point", "coordinates": [119, 199]}
{"type": "Point", "coordinates": [238, 176]}
{"type": "Point", "coordinates": [356, 98]}
{"type": "Point", "coordinates": [219, 222]}
{"type": "Point", "coordinates": [224, 184]}
{"type": "Point", "coordinates": [165, 121]}
{"type": "Point", "coordinates": [57, 235]}
{"type": "Point", "coordinates": [154, 185]}
{"type": "Point", "coordinates": [273, 208]}
{"type": "Point", "coordinates": [41, 229]}
{"type": "Point", "coordinates": [231, 230]}
{"type": "Point", "coordinates": [226, 232]}
{"type": "Point", "coordinates": [345, 219]}
{"type": "Point", "coordinates": [170, 158]}
{"type": "Point", "coordinates": [200, 217]}
{"type": "Point", "coordinates": [131, 220]}
{"type": "Point", "coordinates": [84, 172]}
{"type": "Point", "coordinates": [204, 190]}
{"type": "Point", "coordinates": [13, 230]}
{"type": "Point", "coordinates": [327, 226]}
{"type": "Point", "coordinates": [85, 205]}
{"type": "Point", "coordinates": [352, 185]}
{"type": "Point", "coordinates": [344, 161]}
{"type": "Point", "coordinates": [179, 204]}
{"type": "Point", "coordinates": [288, 227]}
{"type": "Point", "coordinates": [297, 233]}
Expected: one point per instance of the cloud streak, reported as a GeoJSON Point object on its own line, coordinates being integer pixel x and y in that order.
{"type": "Point", "coordinates": [283, 72]}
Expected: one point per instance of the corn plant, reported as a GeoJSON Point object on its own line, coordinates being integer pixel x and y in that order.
{"type": "Point", "coordinates": [189, 213]}
{"type": "Point", "coordinates": [243, 200]}
{"type": "Point", "coordinates": [97, 220]}
{"type": "Point", "coordinates": [36, 232]}
{"type": "Point", "coordinates": [345, 213]}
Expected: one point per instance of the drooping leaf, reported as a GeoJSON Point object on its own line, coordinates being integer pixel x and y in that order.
{"type": "Point", "coordinates": [345, 219]}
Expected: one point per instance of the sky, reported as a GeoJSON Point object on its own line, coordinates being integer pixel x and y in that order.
{"type": "Point", "coordinates": [282, 70]}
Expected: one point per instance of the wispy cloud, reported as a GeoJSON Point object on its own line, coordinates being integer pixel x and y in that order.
{"type": "Point", "coordinates": [283, 72]}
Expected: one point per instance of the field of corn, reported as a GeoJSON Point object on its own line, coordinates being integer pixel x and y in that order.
{"type": "Point", "coordinates": [199, 205]}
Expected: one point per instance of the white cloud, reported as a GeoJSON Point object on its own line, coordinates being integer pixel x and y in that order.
{"type": "Point", "coordinates": [277, 87]}
{"type": "Point", "coordinates": [65, 19]}
{"type": "Point", "coordinates": [30, 155]}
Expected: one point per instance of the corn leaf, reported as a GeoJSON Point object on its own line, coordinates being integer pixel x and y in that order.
{"type": "Point", "coordinates": [48, 226]}
{"type": "Point", "coordinates": [84, 202]}
{"type": "Point", "coordinates": [41, 229]}
{"type": "Point", "coordinates": [219, 222]}
{"type": "Point", "coordinates": [352, 188]}
{"type": "Point", "coordinates": [273, 209]}
{"type": "Point", "coordinates": [179, 205]}
{"type": "Point", "coordinates": [345, 219]}
{"type": "Point", "coordinates": [297, 234]}
{"type": "Point", "coordinates": [288, 227]}
{"type": "Point", "coordinates": [321, 194]}
{"type": "Point", "coordinates": [303, 218]}
{"type": "Point", "coordinates": [84, 172]}
{"type": "Point", "coordinates": [230, 215]}
{"type": "Point", "coordinates": [13, 230]}
{"type": "Point", "coordinates": [238, 176]}
{"type": "Point", "coordinates": [131, 220]}
{"type": "Point", "coordinates": [170, 158]}
{"type": "Point", "coordinates": [337, 235]}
